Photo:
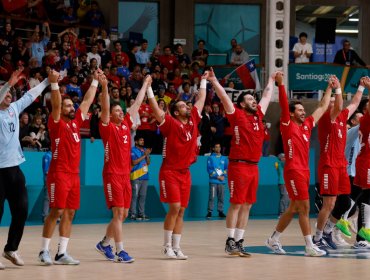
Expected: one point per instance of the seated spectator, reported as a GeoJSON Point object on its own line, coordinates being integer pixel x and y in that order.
{"type": "Point", "coordinates": [218, 120]}
{"type": "Point", "coordinates": [233, 44]}
{"type": "Point", "coordinates": [181, 56]}
{"type": "Point", "coordinates": [114, 95]}
{"type": "Point", "coordinates": [206, 130]}
{"type": "Point", "coordinates": [6, 67]}
{"type": "Point", "coordinates": [266, 139]}
{"type": "Point", "coordinates": [239, 56]}
{"type": "Point", "coordinates": [147, 127]}
{"type": "Point", "coordinates": [39, 42]}
{"type": "Point", "coordinates": [186, 95]}
{"type": "Point", "coordinates": [195, 71]}
{"type": "Point", "coordinates": [154, 59]}
{"type": "Point", "coordinates": [348, 56]}
{"type": "Point", "coordinates": [125, 61]}
{"type": "Point", "coordinates": [136, 81]}
{"type": "Point", "coordinates": [24, 132]}
{"type": "Point", "coordinates": [143, 56]}
{"type": "Point", "coordinates": [171, 91]}
{"type": "Point", "coordinates": [94, 54]}
{"type": "Point", "coordinates": [38, 133]}
{"type": "Point", "coordinates": [161, 95]}
{"type": "Point", "coordinates": [93, 65]}
{"type": "Point", "coordinates": [8, 35]}
{"type": "Point", "coordinates": [177, 80]}
{"type": "Point", "coordinates": [73, 87]}
{"type": "Point", "coordinates": [105, 55]}
{"type": "Point", "coordinates": [94, 16]}
{"type": "Point", "coordinates": [201, 54]}
{"type": "Point", "coordinates": [20, 52]}
{"type": "Point", "coordinates": [104, 36]}
{"type": "Point", "coordinates": [94, 123]}
{"type": "Point", "coordinates": [69, 17]}
{"type": "Point", "coordinates": [132, 57]}
{"type": "Point", "coordinates": [122, 70]}
{"type": "Point", "coordinates": [302, 49]}
{"type": "Point", "coordinates": [157, 82]}
{"type": "Point", "coordinates": [168, 60]}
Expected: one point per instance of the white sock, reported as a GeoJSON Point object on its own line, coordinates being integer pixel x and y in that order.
{"type": "Point", "coordinates": [329, 227]}
{"type": "Point", "coordinates": [106, 241]}
{"type": "Point", "coordinates": [239, 233]}
{"type": "Point", "coordinates": [366, 217]}
{"type": "Point", "coordinates": [45, 242]}
{"type": "Point", "coordinates": [62, 246]}
{"type": "Point", "coordinates": [230, 232]}
{"type": "Point", "coordinates": [168, 238]}
{"type": "Point", "coordinates": [119, 247]}
{"type": "Point", "coordinates": [176, 241]}
{"type": "Point", "coordinates": [345, 215]}
{"type": "Point", "coordinates": [308, 240]}
{"type": "Point", "coordinates": [276, 235]}
{"type": "Point", "coordinates": [318, 234]}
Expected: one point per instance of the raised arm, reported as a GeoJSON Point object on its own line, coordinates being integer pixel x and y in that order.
{"type": "Point", "coordinates": [56, 98]}
{"type": "Point", "coordinates": [352, 107]}
{"type": "Point", "coordinates": [105, 106]}
{"type": "Point", "coordinates": [267, 94]}
{"type": "Point", "coordinates": [90, 93]}
{"type": "Point", "coordinates": [221, 93]}
{"type": "Point", "coordinates": [367, 85]}
{"type": "Point", "coordinates": [14, 78]}
{"type": "Point", "coordinates": [338, 103]}
{"type": "Point", "coordinates": [202, 92]}
{"type": "Point", "coordinates": [158, 113]}
{"type": "Point", "coordinates": [323, 105]}
{"type": "Point", "coordinates": [283, 99]}
{"type": "Point", "coordinates": [134, 109]}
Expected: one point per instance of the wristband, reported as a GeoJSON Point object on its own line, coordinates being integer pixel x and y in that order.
{"type": "Point", "coordinates": [361, 88]}
{"type": "Point", "coordinates": [54, 86]}
{"type": "Point", "coordinates": [149, 92]}
{"type": "Point", "coordinates": [95, 83]}
{"type": "Point", "coordinates": [203, 84]}
{"type": "Point", "coordinates": [338, 91]}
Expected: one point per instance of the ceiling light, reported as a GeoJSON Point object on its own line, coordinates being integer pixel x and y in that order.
{"type": "Point", "coordinates": [353, 19]}
{"type": "Point", "coordinates": [352, 31]}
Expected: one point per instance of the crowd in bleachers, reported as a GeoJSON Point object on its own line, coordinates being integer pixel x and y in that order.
{"type": "Point", "coordinates": [75, 54]}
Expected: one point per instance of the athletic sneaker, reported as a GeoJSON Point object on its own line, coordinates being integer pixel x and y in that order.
{"type": "Point", "coordinates": [230, 247]}
{"type": "Point", "coordinates": [338, 239]}
{"type": "Point", "coordinates": [365, 233]}
{"type": "Point", "coordinates": [179, 254]}
{"type": "Point", "coordinates": [143, 218]}
{"type": "Point", "coordinates": [14, 257]}
{"type": "Point", "coordinates": [209, 215]}
{"type": "Point", "coordinates": [241, 248]}
{"type": "Point", "coordinates": [106, 251]}
{"type": "Point", "coordinates": [2, 267]}
{"type": "Point", "coordinates": [169, 253]}
{"type": "Point", "coordinates": [65, 259]}
{"type": "Point", "coordinates": [133, 217]}
{"type": "Point", "coordinates": [275, 246]}
{"type": "Point", "coordinates": [361, 245]}
{"type": "Point", "coordinates": [343, 225]}
{"type": "Point", "coordinates": [329, 240]}
{"type": "Point", "coordinates": [314, 251]}
{"type": "Point", "coordinates": [44, 258]}
{"type": "Point", "coordinates": [321, 244]}
{"type": "Point", "coordinates": [123, 257]}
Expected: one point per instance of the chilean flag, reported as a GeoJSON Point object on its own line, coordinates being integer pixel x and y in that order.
{"type": "Point", "coordinates": [248, 74]}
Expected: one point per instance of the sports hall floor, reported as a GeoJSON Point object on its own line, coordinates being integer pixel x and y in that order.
{"type": "Point", "coordinates": [203, 242]}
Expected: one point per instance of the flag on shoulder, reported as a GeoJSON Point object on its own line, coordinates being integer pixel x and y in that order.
{"type": "Point", "coordinates": [248, 74]}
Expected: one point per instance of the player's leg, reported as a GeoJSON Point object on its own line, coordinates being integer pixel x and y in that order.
{"type": "Point", "coordinates": [325, 242]}
{"type": "Point", "coordinates": [16, 194]}
{"type": "Point", "coordinates": [168, 228]}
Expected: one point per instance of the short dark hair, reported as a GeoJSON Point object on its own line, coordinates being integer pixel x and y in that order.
{"type": "Point", "coordinates": [201, 41]}
{"type": "Point", "coordinates": [143, 41]}
{"type": "Point", "coordinates": [303, 34]}
{"type": "Point", "coordinates": [241, 97]}
{"type": "Point", "coordinates": [352, 117]}
{"type": "Point", "coordinates": [362, 105]}
{"type": "Point", "coordinates": [292, 105]}
{"type": "Point", "coordinates": [113, 104]}
{"type": "Point", "coordinates": [138, 137]}
{"type": "Point", "coordinates": [173, 107]}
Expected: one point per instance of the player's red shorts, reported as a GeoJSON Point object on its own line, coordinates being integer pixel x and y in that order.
{"type": "Point", "coordinates": [297, 183]}
{"type": "Point", "coordinates": [243, 182]}
{"type": "Point", "coordinates": [334, 180]}
{"type": "Point", "coordinates": [117, 190]}
{"type": "Point", "coordinates": [362, 178]}
{"type": "Point", "coordinates": [175, 186]}
{"type": "Point", "coordinates": [64, 190]}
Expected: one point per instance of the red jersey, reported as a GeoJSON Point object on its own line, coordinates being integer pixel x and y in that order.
{"type": "Point", "coordinates": [296, 138]}
{"type": "Point", "coordinates": [117, 146]}
{"type": "Point", "coordinates": [247, 140]}
{"type": "Point", "coordinates": [145, 113]}
{"type": "Point", "coordinates": [332, 137]}
{"type": "Point", "coordinates": [363, 158]}
{"type": "Point", "coordinates": [180, 141]}
{"type": "Point", "coordinates": [168, 61]}
{"type": "Point", "coordinates": [65, 144]}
